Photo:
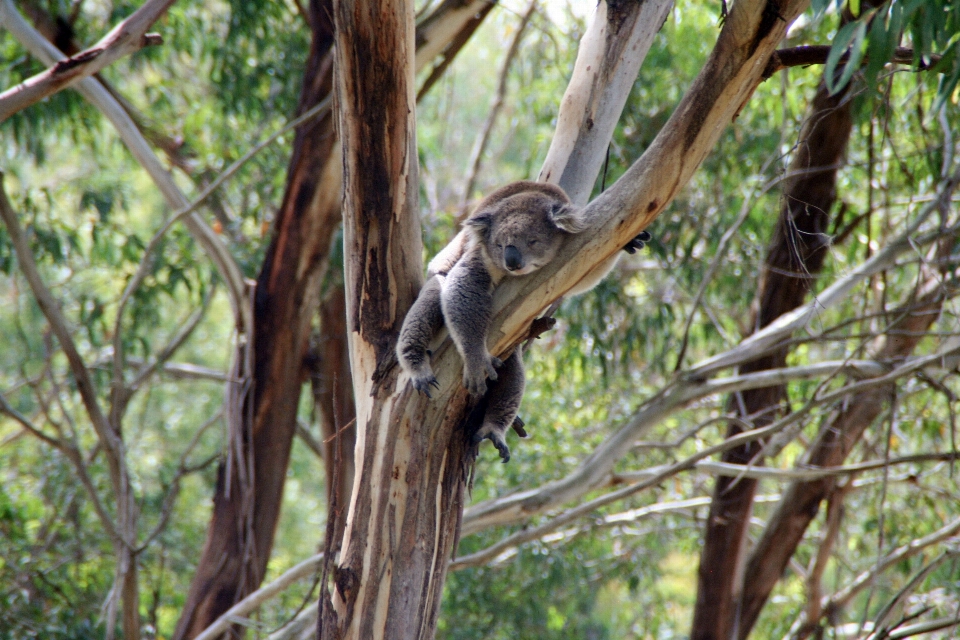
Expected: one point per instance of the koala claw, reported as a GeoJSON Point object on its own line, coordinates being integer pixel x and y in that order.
{"type": "Point", "coordinates": [495, 435]}
{"type": "Point", "coordinates": [423, 384]}
{"type": "Point", "coordinates": [638, 242]}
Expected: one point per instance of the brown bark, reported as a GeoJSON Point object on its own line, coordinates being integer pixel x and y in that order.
{"type": "Point", "coordinates": [801, 501]}
{"type": "Point", "coordinates": [333, 402]}
{"type": "Point", "coordinates": [793, 261]}
{"type": "Point", "coordinates": [391, 568]}
{"type": "Point", "coordinates": [246, 508]}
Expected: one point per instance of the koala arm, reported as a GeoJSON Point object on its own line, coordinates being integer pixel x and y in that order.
{"type": "Point", "coordinates": [443, 262]}
{"type": "Point", "coordinates": [420, 325]}
{"type": "Point", "coordinates": [503, 402]}
{"type": "Point", "coordinates": [466, 301]}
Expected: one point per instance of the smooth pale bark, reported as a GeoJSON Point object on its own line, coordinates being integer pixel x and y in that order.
{"type": "Point", "coordinates": [609, 57]}
{"type": "Point", "coordinates": [731, 74]}
{"type": "Point", "coordinates": [794, 260]}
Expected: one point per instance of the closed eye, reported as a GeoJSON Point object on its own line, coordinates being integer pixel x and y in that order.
{"type": "Point", "coordinates": [531, 243]}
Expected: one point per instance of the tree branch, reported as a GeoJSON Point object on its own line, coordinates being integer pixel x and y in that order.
{"type": "Point", "coordinates": [126, 38]}
{"type": "Point", "coordinates": [91, 89]}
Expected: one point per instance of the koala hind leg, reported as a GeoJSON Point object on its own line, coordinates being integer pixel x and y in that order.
{"type": "Point", "coordinates": [503, 401]}
{"type": "Point", "coordinates": [466, 301]}
{"type": "Point", "coordinates": [419, 327]}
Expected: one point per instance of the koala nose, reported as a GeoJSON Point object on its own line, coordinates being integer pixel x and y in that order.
{"type": "Point", "coordinates": [512, 257]}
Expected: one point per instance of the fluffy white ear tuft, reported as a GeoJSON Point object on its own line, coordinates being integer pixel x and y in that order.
{"type": "Point", "coordinates": [479, 223]}
{"type": "Point", "coordinates": [568, 217]}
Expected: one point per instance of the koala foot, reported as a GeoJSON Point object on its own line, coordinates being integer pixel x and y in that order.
{"type": "Point", "coordinates": [423, 378]}
{"type": "Point", "coordinates": [495, 434]}
{"type": "Point", "coordinates": [476, 380]}
{"type": "Point", "coordinates": [638, 243]}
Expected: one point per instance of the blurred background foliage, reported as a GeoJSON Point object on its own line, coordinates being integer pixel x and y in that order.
{"type": "Point", "coordinates": [229, 74]}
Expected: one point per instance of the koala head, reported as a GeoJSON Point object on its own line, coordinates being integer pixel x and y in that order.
{"type": "Point", "coordinates": [521, 226]}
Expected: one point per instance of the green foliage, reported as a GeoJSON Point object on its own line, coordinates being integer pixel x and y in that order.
{"type": "Point", "coordinates": [229, 72]}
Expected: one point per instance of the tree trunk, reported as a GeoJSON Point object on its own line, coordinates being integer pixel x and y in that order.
{"type": "Point", "coordinates": [794, 259]}
{"type": "Point", "coordinates": [240, 534]}
{"type": "Point", "coordinates": [334, 404]}
{"type": "Point", "coordinates": [411, 452]}
{"type": "Point", "coordinates": [249, 491]}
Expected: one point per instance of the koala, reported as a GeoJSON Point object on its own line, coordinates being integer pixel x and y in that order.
{"type": "Point", "coordinates": [514, 231]}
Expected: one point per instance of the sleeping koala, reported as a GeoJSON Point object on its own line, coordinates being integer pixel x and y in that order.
{"type": "Point", "coordinates": [514, 231]}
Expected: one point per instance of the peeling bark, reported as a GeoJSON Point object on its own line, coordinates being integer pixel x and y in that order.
{"type": "Point", "coordinates": [794, 259]}
{"type": "Point", "coordinates": [333, 399]}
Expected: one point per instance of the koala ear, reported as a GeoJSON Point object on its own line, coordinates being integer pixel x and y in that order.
{"type": "Point", "coordinates": [480, 222]}
{"type": "Point", "coordinates": [568, 217]}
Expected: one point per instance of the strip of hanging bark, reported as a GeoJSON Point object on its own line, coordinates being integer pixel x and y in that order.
{"type": "Point", "coordinates": [333, 399]}
{"type": "Point", "coordinates": [833, 444]}
{"type": "Point", "coordinates": [794, 260]}
{"type": "Point", "coordinates": [124, 39]}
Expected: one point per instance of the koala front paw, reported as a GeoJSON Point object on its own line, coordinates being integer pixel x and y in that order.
{"type": "Point", "coordinates": [475, 378]}
{"type": "Point", "coordinates": [638, 243]}
{"type": "Point", "coordinates": [423, 384]}
{"type": "Point", "coordinates": [422, 378]}
{"type": "Point", "coordinates": [495, 434]}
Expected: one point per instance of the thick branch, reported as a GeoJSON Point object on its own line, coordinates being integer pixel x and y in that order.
{"type": "Point", "coordinates": [609, 57]}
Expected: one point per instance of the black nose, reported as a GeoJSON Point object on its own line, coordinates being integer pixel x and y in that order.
{"type": "Point", "coordinates": [512, 258]}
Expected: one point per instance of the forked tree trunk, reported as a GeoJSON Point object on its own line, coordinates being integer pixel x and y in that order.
{"type": "Point", "coordinates": [794, 259]}
{"type": "Point", "coordinates": [411, 452]}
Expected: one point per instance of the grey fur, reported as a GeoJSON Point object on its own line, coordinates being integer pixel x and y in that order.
{"type": "Point", "coordinates": [515, 230]}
